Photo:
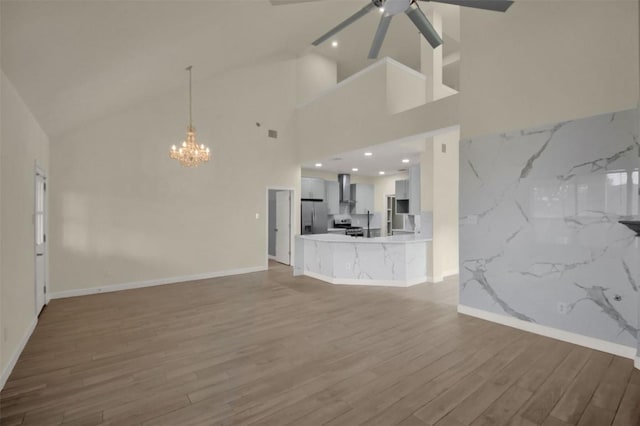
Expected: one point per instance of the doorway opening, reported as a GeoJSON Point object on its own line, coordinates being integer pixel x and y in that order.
{"type": "Point", "coordinates": [279, 225]}
{"type": "Point", "coordinates": [40, 234]}
{"type": "Point", "coordinates": [395, 221]}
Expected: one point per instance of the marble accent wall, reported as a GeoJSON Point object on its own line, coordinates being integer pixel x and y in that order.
{"type": "Point", "coordinates": [539, 233]}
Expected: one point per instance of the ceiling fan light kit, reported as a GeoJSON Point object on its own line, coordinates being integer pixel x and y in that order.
{"type": "Point", "coordinates": [410, 8]}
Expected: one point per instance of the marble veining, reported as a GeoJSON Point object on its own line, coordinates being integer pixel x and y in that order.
{"type": "Point", "coordinates": [630, 278]}
{"type": "Point", "coordinates": [539, 233]}
{"type": "Point", "coordinates": [529, 165]}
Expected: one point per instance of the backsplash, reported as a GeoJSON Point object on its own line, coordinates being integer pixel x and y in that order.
{"type": "Point", "coordinates": [539, 233]}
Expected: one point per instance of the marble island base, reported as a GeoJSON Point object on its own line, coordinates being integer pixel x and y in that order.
{"type": "Point", "coordinates": [398, 261]}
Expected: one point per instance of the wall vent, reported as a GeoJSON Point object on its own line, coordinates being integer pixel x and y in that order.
{"type": "Point", "coordinates": [273, 134]}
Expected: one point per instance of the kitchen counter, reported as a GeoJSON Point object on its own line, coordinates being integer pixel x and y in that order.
{"type": "Point", "coordinates": [398, 260]}
{"type": "Point", "coordinates": [391, 239]}
{"type": "Point", "coordinates": [342, 229]}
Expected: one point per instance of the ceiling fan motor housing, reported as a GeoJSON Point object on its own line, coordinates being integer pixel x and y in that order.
{"type": "Point", "coordinates": [392, 7]}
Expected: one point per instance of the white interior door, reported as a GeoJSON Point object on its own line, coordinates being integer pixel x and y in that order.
{"type": "Point", "coordinates": [40, 240]}
{"type": "Point", "coordinates": [283, 227]}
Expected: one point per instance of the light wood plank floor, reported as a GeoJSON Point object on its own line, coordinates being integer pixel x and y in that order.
{"type": "Point", "coordinates": [271, 349]}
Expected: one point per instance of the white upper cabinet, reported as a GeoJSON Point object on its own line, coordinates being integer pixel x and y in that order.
{"type": "Point", "coordinates": [408, 193]}
{"type": "Point", "coordinates": [333, 196]}
{"type": "Point", "coordinates": [313, 188]}
{"type": "Point", "coordinates": [402, 189]}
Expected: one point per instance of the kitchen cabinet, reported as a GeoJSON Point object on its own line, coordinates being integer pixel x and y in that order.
{"type": "Point", "coordinates": [402, 189]}
{"type": "Point", "coordinates": [408, 193]}
{"type": "Point", "coordinates": [312, 188]}
{"type": "Point", "coordinates": [362, 194]}
{"type": "Point", "coordinates": [402, 196]}
{"type": "Point", "coordinates": [332, 190]}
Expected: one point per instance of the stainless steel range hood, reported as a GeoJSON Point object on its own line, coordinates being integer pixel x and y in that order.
{"type": "Point", "coordinates": [344, 180]}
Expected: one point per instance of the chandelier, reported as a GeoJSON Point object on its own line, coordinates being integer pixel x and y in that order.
{"type": "Point", "coordinates": [190, 154]}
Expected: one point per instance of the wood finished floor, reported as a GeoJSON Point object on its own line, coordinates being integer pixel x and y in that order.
{"type": "Point", "coordinates": [271, 349]}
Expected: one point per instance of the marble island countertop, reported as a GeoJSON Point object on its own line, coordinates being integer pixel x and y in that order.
{"type": "Point", "coordinates": [342, 229]}
{"type": "Point", "coordinates": [393, 239]}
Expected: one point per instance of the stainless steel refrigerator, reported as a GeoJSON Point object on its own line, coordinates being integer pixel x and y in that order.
{"type": "Point", "coordinates": [315, 217]}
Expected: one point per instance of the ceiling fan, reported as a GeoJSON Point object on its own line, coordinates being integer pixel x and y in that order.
{"type": "Point", "coordinates": [390, 8]}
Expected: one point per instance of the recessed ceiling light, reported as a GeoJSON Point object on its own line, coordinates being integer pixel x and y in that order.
{"type": "Point", "coordinates": [368, 154]}
{"type": "Point", "coordinates": [405, 160]}
{"type": "Point", "coordinates": [334, 43]}
{"type": "Point", "coordinates": [381, 172]}
{"type": "Point", "coordinates": [381, 9]}
{"type": "Point", "coordinates": [318, 164]}
{"type": "Point", "coordinates": [355, 169]}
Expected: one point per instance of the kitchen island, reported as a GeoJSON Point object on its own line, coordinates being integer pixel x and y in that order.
{"type": "Point", "coordinates": [399, 260]}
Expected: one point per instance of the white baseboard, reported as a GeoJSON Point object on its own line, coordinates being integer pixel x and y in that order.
{"type": "Point", "coordinates": [450, 273]}
{"type": "Point", "coordinates": [14, 358]}
{"type": "Point", "coordinates": [637, 363]}
{"type": "Point", "coordinates": [152, 283]}
{"type": "Point", "coordinates": [440, 278]}
{"type": "Point", "coordinates": [271, 257]}
{"type": "Point", "coordinates": [554, 333]}
{"type": "Point", "coordinates": [380, 283]}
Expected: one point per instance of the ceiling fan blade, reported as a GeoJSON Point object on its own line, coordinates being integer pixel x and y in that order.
{"type": "Point", "coordinates": [381, 32]}
{"type": "Point", "coordinates": [282, 2]}
{"type": "Point", "coordinates": [425, 27]}
{"type": "Point", "coordinates": [495, 5]}
{"type": "Point", "coordinates": [341, 26]}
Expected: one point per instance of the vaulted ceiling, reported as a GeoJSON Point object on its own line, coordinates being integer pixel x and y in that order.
{"type": "Point", "coordinates": [74, 61]}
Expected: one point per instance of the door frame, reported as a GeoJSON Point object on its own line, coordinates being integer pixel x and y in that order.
{"type": "Point", "coordinates": [292, 222]}
{"type": "Point", "coordinates": [39, 171]}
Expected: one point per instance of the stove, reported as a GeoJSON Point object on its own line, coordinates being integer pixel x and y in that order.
{"type": "Point", "coordinates": [345, 223]}
{"type": "Point", "coordinates": [354, 231]}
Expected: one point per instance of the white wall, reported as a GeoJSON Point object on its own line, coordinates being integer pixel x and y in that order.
{"type": "Point", "coordinates": [445, 196]}
{"type": "Point", "coordinates": [439, 195]}
{"type": "Point", "coordinates": [546, 61]}
{"type": "Point", "coordinates": [386, 185]}
{"type": "Point", "coordinates": [123, 212]}
{"type": "Point", "coordinates": [361, 111]}
{"type": "Point", "coordinates": [24, 144]}
{"type": "Point", "coordinates": [405, 88]}
{"type": "Point", "coordinates": [315, 74]}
